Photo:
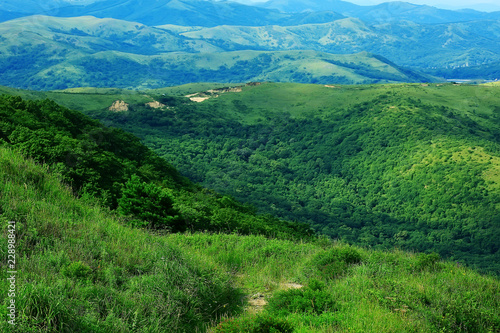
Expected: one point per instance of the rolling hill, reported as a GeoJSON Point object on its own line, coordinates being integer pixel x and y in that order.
{"type": "Point", "coordinates": [213, 13]}
{"type": "Point", "coordinates": [41, 52]}
{"type": "Point", "coordinates": [178, 12]}
{"type": "Point", "coordinates": [47, 52]}
{"type": "Point", "coordinates": [384, 12]}
{"type": "Point", "coordinates": [405, 43]}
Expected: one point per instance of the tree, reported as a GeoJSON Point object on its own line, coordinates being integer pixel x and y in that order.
{"type": "Point", "coordinates": [149, 205]}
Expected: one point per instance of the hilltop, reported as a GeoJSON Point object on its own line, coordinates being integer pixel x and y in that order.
{"type": "Point", "coordinates": [119, 43]}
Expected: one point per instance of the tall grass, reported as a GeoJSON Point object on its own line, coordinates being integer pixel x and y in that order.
{"type": "Point", "coordinates": [381, 292]}
{"type": "Point", "coordinates": [81, 270]}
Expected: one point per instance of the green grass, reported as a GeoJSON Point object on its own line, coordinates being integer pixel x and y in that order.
{"type": "Point", "coordinates": [410, 165]}
{"type": "Point", "coordinates": [385, 292]}
{"type": "Point", "coordinates": [80, 270]}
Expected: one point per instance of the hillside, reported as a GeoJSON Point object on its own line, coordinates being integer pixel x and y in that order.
{"type": "Point", "coordinates": [178, 12]}
{"type": "Point", "coordinates": [114, 167]}
{"type": "Point", "coordinates": [82, 269]}
{"type": "Point", "coordinates": [214, 13]}
{"type": "Point", "coordinates": [46, 53]}
{"type": "Point", "coordinates": [413, 166]}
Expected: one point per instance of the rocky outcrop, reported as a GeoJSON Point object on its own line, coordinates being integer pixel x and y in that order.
{"type": "Point", "coordinates": [119, 106]}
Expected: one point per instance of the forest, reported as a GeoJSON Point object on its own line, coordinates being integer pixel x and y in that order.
{"type": "Point", "coordinates": [390, 171]}
{"type": "Point", "coordinates": [115, 167]}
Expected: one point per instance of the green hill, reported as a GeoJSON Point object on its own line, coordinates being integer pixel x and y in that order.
{"type": "Point", "coordinates": [80, 268]}
{"type": "Point", "coordinates": [47, 53]}
{"type": "Point", "coordinates": [383, 12]}
{"type": "Point", "coordinates": [113, 166]}
{"type": "Point", "coordinates": [403, 42]}
{"type": "Point", "coordinates": [413, 166]}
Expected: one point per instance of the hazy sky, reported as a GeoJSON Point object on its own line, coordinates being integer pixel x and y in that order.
{"type": "Point", "coordinates": [489, 5]}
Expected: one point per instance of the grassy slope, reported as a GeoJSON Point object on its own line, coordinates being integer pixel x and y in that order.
{"type": "Point", "coordinates": [47, 53]}
{"type": "Point", "coordinates": [81, 270]}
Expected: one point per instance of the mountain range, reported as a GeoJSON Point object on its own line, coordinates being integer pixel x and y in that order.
{"type": "Point", "coordinates": [161, 42]}
{"type": "Point", "coordinates": [384, 12]}
{"type": "Point", "coordinates": [213, 13]}
{"type": "Point", "coordinates": [42, 52]}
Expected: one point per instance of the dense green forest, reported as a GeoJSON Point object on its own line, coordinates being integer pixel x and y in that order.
{"type": "Point", "coordinates": [411, 166]}
{"type": "Point", "coordinates": [111, 165]}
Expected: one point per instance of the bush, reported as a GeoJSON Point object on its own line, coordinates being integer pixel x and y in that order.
{"type": "Point", "coordinates": [149, 205]}
{"type": "Point", "coordinates": [428, 262]}
{"type": "Point", "coordinates": [312, 300]}
{"type": "Point", "coordinates": [77, 270]}
{"type": "Point", "coordinates": [334, 263]}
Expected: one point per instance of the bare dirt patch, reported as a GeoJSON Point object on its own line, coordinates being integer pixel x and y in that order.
{"type": "Point", "coordinates": [119, 106]}
{"type": "Point", "coordinates": [212, 93]}
{"type": "Point", "coordinates": [155, 105]}
{"type": "Point", "coordinates": [257, 302]}
{"type": "Point", "coordinates": [292, 285]}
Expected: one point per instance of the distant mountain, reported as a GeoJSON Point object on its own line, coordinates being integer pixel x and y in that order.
{"type": "Point", "coordinates": [406, 43]}
{"type": "Point", "coordinates": [490, 71]}
{"type": "Point", "coordinates": [9, 15]}
{"type": "Point", "coordinates": [296, 6]}
{"type": "Point", "coordinates": [385, 12]}
{"type": "Point", "coordinates": [178, 12]}
{"type": "Point", "coordinates": [210, 13]}
{"type": "Point", "coordinates": [41, 52]}
{"type": "Point", "coordinates": [35, 43]}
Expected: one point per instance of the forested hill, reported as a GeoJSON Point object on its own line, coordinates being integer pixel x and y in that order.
{"type": "Point", "coordinates": [118, 170]}
{"type": "Point", "coordinates": [413, 166]}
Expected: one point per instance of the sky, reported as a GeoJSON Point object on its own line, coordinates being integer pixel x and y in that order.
{"type": "Point", "coordinates": [486, 5]}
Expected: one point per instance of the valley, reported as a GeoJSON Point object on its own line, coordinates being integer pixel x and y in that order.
{"type": "Point", "coordinates": [408, 165]}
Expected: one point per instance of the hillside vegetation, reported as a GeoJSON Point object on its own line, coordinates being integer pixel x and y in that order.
{"type": "Point", "coordinates": [414, 166]}
{"type": "Point", "coordinates": [80, 269]}
{"type": "Point", "coordinates": [114, 167]}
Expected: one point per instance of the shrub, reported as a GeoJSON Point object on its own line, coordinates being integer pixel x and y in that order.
{"type": "Point", "coordinates": [335, 262]}
{"type": "Point", "coordinates": [77, 270]}
{"type": "Point", "coordinates": [312, 300]}
{"type": "Point", "coordinates": [428, 262]}
{"type": "Point", "coordinates": [149, 205]}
